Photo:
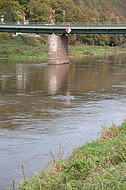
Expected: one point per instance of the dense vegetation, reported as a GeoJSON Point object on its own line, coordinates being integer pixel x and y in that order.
{"type": "Point", "coordinates": [68, 11]}
{"type": "Point", "coordinates": [75, 10]}
{"type": "Point", "coordinates": [100, 164]}
{"type": "Point", "coordinates": [116, 7]}
{"type": "Point", "coordinates": [22, 46]}
{"type": "Point", "coordinates": [32, 46]}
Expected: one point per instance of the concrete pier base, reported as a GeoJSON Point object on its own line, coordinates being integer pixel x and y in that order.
{"type": "Point", "coordinates": [57, 49]}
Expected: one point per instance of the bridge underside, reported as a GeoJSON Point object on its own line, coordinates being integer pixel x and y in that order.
{"type": "Point", "coordinates": [75, 31]}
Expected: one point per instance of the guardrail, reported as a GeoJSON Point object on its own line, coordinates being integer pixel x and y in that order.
{"type": "Point", "coordinates": [66, 23]}
{"type": "Point", "coordinates": [75, 28]}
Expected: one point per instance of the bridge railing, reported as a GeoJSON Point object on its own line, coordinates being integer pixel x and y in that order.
{"type": "Point", "coordinates": [65, 23]}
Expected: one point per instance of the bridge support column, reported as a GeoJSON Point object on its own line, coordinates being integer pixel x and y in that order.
{"type": "Point", "coordinates": [57, 49]}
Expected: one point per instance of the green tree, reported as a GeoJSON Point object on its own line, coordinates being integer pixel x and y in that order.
{"type": "Point", "coordinates": [56, 10]}
{"type": "Point", "coordinates": [39, 10]}
{"type": "Point", "coordinates": [24, 4]}
{"type": "Point", "coordinates": [72, 12]}
{"type": "Point", "coordinates": [12, 10]}
{"type": "Point", "coordinates": [9, 15]}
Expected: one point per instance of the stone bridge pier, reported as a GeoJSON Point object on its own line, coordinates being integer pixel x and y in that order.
{"type": "Point", "coordinates": [57, 49]}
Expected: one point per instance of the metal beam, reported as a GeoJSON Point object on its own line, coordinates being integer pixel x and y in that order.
{"type": "Point", "coordinates": [90, 28]}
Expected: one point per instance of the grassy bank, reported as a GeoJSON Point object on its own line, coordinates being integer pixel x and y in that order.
{"type": "Point", "coordinates": [23, 47]}
{"type": "Point", "coordinates": [84, 50]}
{"type": "Point", "coordinates": [100, 164]}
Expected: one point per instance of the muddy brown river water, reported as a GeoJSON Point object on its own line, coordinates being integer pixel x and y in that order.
{"type": "Point", "coordinates": [49, 109]}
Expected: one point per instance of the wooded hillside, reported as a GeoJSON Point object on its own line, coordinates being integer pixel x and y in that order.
{"type": "Point", "coordinates": [58, 11]}
{"type": "Point", "coordinates": [118, 7]}
{"type": "Point", "coordinates": [63, 10]}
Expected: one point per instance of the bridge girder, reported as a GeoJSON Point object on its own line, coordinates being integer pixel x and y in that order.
{"type": "Point", "coordinates": [61, 29]}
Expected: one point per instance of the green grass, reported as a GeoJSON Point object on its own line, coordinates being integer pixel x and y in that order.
{"type": "Point", "coordinates": [100, 164]}
{"type": "Point", "coordinates": [83, 50]}
{"type": "Point", "coordinates": [23, 47]}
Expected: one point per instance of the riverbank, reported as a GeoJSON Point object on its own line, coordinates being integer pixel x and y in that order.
{"type": "Point", "coordinates": [81, 50]}
{"type": "Point", "coordinates": [100, 164]}
{"type": "Point", "coordinates": [31, 47]}
{"type": "Point", "coordinates": [22, 47]}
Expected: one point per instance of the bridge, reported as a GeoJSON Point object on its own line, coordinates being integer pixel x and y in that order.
{"type": "Point", "coordinates": [76, 28]}
{"type": "Point", "coordinates": [58, 44]}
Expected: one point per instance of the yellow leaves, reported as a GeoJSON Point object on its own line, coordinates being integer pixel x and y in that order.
{"type": "Point", "coordinates": [21, 18]}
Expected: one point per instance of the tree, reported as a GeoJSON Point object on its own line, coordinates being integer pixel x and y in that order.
{"type": "Point", "coordinates": [9, 15]}
{"type": "Point", "coordinates": [56, 10]}
{"type": "Point", "coordinates": [24, 4]}
{"type": "Point", "coordinates": [12, 9]}
{"type": "Point", "coordinates": [39, 10]}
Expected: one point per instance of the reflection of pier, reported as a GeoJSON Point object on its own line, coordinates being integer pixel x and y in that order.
{"type": "Point", "coordinates": [22, 77]}
{"type": "Point", "coordinates": [57, 78]}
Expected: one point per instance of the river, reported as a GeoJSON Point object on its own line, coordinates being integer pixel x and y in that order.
{"type": "Point", "coordinates": [46, 110]}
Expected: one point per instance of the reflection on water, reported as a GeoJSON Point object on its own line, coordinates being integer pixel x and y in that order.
{"type": "Point", "coordinates": [21, 77]}
{"type": "Point", "coordinates": [43, 106]}
{"type": "Point", "coordinates": [57, 78]}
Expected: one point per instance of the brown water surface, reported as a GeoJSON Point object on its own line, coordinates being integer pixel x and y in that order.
{"type": "Point", "coordinates": [45, 107]}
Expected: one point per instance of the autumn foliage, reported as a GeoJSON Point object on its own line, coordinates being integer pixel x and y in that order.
{"type": "Point", "coordinates": [64, 11]}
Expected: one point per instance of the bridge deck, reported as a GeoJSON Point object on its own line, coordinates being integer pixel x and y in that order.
{"type": "Point", "coordinates": [90, 28]}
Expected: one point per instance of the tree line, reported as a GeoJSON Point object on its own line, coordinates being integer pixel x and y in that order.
{"type": "Point", "coordinates": [50, 11]}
